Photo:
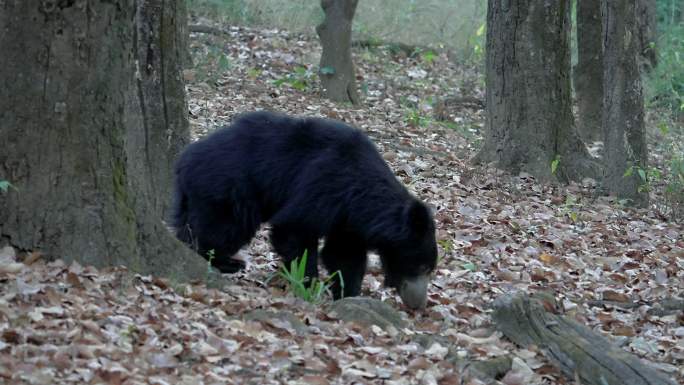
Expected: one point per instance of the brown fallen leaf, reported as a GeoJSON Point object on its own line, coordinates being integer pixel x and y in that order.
{"type": "Point", "coordinates": [624, 330]}
{"type": "Point", "coordinates": [32, 257]}
{"type": "Point", "coordinates": [549, 259]}
{"type": "Point", "coordinates": [611, 295]}
{"type": "Point", "coordinates": [419, 363]}
{"type": "Point", "coordinates": [313, 380]}
{"type": "Point", "coordinates": [74, 280]}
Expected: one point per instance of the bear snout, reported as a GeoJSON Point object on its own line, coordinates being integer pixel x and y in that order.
{"type": "Point", "coordinates": [413, 291]}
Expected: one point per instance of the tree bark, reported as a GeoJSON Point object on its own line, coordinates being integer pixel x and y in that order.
{"type": "Point", "coordinates": [623, 105]}
{"type": "Point", "coordinates": [588, 74]}
{"type": "Point", "coordinates": [75, 142]}
{"type": "Point", "coordinates": [161, 45]}
{"type": "Point", "coordinates": [647, 32]}
{"type": "Point", "coordinates": [337, 68]}
{"type": "Point", "coordinates": [529, 121]}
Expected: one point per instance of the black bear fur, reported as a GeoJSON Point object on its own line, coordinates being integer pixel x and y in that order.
{"type": "Point", "coordinates": [309, 178]}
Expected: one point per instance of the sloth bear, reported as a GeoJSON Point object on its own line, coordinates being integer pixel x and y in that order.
{"type": "Point", "coordinates": [309, 178]}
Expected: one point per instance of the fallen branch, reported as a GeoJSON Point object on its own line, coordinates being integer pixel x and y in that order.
{"type": "Point", "coordinates": [621, 305]}
{"type": "Point", "coordinates": [575, 348]}
{"type": "Point", "coordinates": [661, 308]}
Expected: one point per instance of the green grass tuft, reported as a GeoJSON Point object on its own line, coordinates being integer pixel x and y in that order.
{"type": "Point", "coordinates": [316, 291]}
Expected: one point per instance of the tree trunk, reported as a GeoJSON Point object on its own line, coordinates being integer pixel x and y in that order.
{"type": "Point", "coordinates": [161, 46]}
{"type": "Point", "coordinates": [74, 138]}
{"type": "Point", "coordinates": [529, 121]}
{"type": "Point", "coordinates": [589, 70]}
{"type": "Point", "coordinates": [647, 33]}
{"type": "Point", "coordinates": [336, 67]}
{"type": "Point", "coordinates": [623, 105]}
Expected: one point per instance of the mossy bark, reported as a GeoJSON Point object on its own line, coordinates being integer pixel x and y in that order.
{"type": "Point", "coordinates": [529, 121]}
{"type": "Point", "coordinates": [623, 105]}
{"type": "Point", "coordinates": [161, 48]}
{"type": "Point", "coordinates": [91, 169]}
{"type": "Point", "coordinates": [337, 68]}
{"type": "Point", "coordinates": [588, 74]}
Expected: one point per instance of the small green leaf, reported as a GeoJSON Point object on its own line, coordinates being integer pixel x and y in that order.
{"type": "Point", "coordinates": [5, 185]}
{"type": "Point", "coordinates": [554, 164]}
{"type": "Point", "coordinates": [664, 128]}
{"type": "Point", "coordinates": [327, 70]}
{"type": "Point", "coordinates": [470, 266]}
{"type": "Point", "coordinates": [429, 56]}
{"type": "Point", "coordinates": [642, 174]}
{"type": "Point", "coordinates": [628, 172]}
{"type": "Point", "coordinates": [254, 72]}
{"type": "Point", "coordinates": [298, 85]}
{"type": "Point", "coordinates": [481, 30]}
{"type": "Point", "coordinates": [302, 263]}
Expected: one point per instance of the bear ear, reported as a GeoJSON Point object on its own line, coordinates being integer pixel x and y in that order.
{"type": "Point", "coordinates": [418, 216]}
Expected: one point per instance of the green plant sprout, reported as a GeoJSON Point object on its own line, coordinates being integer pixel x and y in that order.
{"type": "Point", "coordinates": [297, 281]}
{"type": "Point", "coordinates": [5, 185]}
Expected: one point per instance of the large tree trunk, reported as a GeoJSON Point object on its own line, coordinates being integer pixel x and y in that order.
{"type": "Point", "coordinates": [529, 121]}
{"type": "Point", "coordinates": [647, 33]}
{"type": "Point", "coordinates": [161, 46]}
{"type": "Point", "coordinates": [589, 70]}
{"type": "Point", "coordinates": [336, 67]}
{"type": "Point", "coordinates": [623, 104]}
{"type": "Point", "coordinates": [74, 138]}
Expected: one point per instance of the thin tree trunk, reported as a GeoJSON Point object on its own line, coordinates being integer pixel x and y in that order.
{"type": "Point", "coordinates": [72, 123]}
{"type": "Point", "coordinates": [336, 67]}
{"type": "Point", "coordinates": [529, 122]}
{"type": "Point", "coordinates": [623, 104]}
{"type": "Point", "coordinates": [588, 74]}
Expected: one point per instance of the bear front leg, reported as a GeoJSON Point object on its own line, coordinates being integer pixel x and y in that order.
{"type": "Point", "coordinates": [290, 244]}
{"type": "Point", "coordinates": [345, 253]}
{"type": "Point", "coordinates": [217, 232]}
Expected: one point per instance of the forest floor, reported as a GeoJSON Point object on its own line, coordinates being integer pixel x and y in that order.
{"type": "Point", "coordinates": [607, 265]}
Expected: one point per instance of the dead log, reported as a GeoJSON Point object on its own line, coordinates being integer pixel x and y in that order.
{"type": "Point", "coordinates": [576, 349]}
{"type": "Point", "coordinates": [662, 307]}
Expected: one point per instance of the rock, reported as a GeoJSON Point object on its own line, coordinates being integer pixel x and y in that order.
{"type": "Point", "coordinates": [367, 311]}
{"type": "Point", "coordinates": [280, 319]}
